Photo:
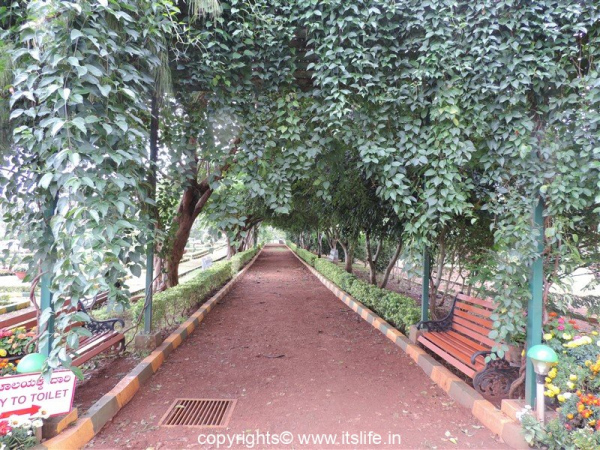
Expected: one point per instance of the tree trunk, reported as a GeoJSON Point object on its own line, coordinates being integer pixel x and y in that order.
{"type": "Point", "coordinates": [249, 239]}
{"type": "Point", "coordinates": [435, 284]}
{"type": "Point", "coordinates": [349, 259]}
{"type": "Point", "coordinates": [193, 200]}
{"type": "Point", "coordinates": [390, 266]}
{"type": "Point", "coordinates": [255, 238]}
{"type": "Point", "coordinates": [332, 240]}
{"type": "Point", "coordinates": [372, 260]}
{"type": "Point", "coordinates": [230, 248]}
{"type": "Point", "coordinates": [320, 243]}
{"type": "Point", "coordinates": [348, 256]}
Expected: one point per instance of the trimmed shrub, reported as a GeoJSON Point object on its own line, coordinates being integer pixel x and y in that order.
{"type": "Point", "coordinates": [334, 273]}
{"type": "Point", "coordinates": [368, 294]}
{"type": "Point", "coordinates": [399, 310]}
{"type": "Point", "coordinates": [307, 256]}
{"type": "Point", "coordinates": [239, 260]}
{"type": "Point", "coordinates": [171, 307]}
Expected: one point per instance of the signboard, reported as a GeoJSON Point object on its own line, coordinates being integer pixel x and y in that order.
{"type": "Point", "coordinates": [206, 262]}
{"type": "Point", "coordinates": [27, 394]}
{"type": "Point", "coordinates": [333, 255]}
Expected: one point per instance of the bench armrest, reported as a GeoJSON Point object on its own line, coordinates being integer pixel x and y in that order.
{"type": "Point", "coordinates": [479, 353]}
{"type": "Point", "coordinates": [437, 325]}
{"type": "Point", "coordinates": [101, 326]}
{"type": "Point", "coordinates": [425, 324]}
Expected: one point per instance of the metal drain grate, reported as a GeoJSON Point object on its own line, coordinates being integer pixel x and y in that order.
{"type": "Point", "coordinates": [198, 413]}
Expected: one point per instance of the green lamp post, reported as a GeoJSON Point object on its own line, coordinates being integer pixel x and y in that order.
{"type": "Point", "coordinates": [31, 363]}
{"type": "Point", "coordinates": [543, 359]}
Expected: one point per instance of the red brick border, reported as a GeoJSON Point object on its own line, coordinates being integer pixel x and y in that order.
{"type": "Point", "coordinates": [483, 410]}
{"type": "Point", "coordinates": [85, 428]}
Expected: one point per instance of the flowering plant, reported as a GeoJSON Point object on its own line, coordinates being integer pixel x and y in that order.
{"type": "Point", "coordinates": [14, 342]}
{"type": "Point", "coordinates": [7, 367]}
{"type": "Point", "coordinates": [18, 432]}
{"type": "Point", "coordinates": [572, 386]}
{"type": "Point", "coordinates": [559, 330]}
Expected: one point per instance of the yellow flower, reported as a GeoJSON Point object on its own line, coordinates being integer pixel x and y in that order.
{"type": "Point", "coordinates": [573, 377]}
{"type": "Point", "coordinates": [570, 385]}
{"type": "Point", "coordinates": [555, 389]}
{"type": "Point", "coordinates": [591, 423]}
{"type": "Point", "coordinates": [595, 333]}
{"type": "Point", "coordinates": [549, 394]}
{"type": "Point", "coordinates": [552, 373]}
{"type": "Point", "coordinates": [561, 398]}
{"type": "Point", "coordinates": [547, 336]}
{"type": "Point", "coordinates": [588, 363]}
{"type": "Point", "coordinates": [566, 336]}
{"type": "Point", "coordinates": [2, 352]}
{"type": "Point", "coordinates": [548, 380]}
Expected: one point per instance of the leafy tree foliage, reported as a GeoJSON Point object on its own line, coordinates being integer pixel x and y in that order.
{"type": "Point", "coordinates": [414, 122]}
{"type": "Point", "coordinates": [74, 192]}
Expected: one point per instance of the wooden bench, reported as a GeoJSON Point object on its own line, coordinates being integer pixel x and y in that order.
{"type": "Point", "coordinates": [461, 339]}
{"type": "Point", "coordinates": [27, 319]}
{"type": "Point", "coordinates": [105, 335]}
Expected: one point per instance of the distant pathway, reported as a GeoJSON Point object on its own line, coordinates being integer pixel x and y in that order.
{"type": "Point", "coordinates": [297, 360]}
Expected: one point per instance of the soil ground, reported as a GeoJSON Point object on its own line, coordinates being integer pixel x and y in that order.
{"type": "Point", "coordinates": [299, 361]}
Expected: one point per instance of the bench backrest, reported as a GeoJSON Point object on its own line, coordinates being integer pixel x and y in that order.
{"type": "Point", "coordinates": [23, 319]}
{"type": "Point", "coordinates": [471, 317]}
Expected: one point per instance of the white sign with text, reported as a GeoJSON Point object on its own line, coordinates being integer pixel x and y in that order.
{"type": "Point", "coordinates": [24, 395]}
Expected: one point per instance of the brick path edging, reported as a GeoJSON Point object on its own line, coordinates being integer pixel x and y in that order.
{"type": "Point", "coordinates": [483, 410]}
{"type": "Point", "coordinates": [90, 424]}
{"type": "Point", "coordinates": [15, 307]}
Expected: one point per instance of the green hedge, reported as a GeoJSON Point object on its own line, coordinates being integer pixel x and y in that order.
{"type": "Point", "coordinates": [171, 307]}
{"type": "Point", "coordinates": [335, 273]}
{"type": "Point", "coordinates": [239, 260]}
{"type": "Point", "coordinates": [397, 309]}
{"type": "Point", "coordinates": [307, 256]}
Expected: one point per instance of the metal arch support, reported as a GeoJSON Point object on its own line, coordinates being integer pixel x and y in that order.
{"type": "Point", "coordinates": [535, 306]}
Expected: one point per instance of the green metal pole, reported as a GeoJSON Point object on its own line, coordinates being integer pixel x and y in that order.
{"type": "Point", "coordinates": [150, 249]}
{"type": "Point", "coordinates": [425, 287]}
{"type": "Point", "coordinates": [46, 282]}
{"type": "Point", "coordinates": [45, 303]}
{"type": "Point", "coordinates": [149, 279]}
{"type": "Point", "coordinates": [535, 306]}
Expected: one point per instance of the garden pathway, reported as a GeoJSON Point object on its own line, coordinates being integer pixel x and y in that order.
{"type": "Point", "coordinates": [299, 361]}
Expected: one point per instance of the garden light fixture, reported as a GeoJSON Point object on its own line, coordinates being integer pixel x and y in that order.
{"type": "Point", "coordinates": [543, 359]}
{"type": "Point", "coordinates": [31, 363]}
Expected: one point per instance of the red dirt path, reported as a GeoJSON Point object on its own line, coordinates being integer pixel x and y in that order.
{"type": "Point", "coordinates": [298, 360]}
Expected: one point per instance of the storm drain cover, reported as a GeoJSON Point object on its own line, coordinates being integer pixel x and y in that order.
{"type": "Point", "coordinates": [199, 413]}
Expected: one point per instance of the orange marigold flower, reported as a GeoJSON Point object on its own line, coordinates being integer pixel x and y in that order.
{"type": "Point", "coordinates": [553, 314]}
